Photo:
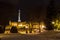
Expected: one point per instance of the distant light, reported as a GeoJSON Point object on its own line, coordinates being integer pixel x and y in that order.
{"type": "Point", "coordinates": [53, 22]}
{"type": "Point", "coordinates": [14, 24]}
{"type": "Point", "coordinates": [22, 32]}
{"type": "Point", "coordinates": [20, 25]}
{"type": "Point", "coordinates": [43, 26]}
{"type": "Point", "coordinates": [26, 26]}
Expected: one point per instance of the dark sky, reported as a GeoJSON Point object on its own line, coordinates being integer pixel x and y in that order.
{"type": "Point", "coordinates": [31, 10]}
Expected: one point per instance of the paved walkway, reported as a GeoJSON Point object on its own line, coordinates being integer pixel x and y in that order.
{"type": "Point", "coordinates": [49, 35]}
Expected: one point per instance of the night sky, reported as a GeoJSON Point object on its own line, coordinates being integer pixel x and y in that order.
{"type": "Point", "coordinates": [31, 10]}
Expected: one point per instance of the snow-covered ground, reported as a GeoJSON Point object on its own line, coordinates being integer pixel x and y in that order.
{"type": "Point", "coordinates": [49, 35]}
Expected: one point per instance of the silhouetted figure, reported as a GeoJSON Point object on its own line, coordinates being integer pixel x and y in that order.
{"type": "Point", "coordinates": [14, 30]}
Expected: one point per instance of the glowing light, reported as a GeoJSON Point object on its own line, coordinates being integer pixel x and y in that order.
{"type": "Point", "coordinates": [7, 32]}
{"type": "Point", "coordinates": [56, 24]}
{"type": "Point", "coordinates": [26, 26]}
{"type": "Point", "coordinates": [8, 27]}
{"type": "Point", "coordinates": [19, 20]}
{"type": "Point", "coordinates": [42, 26]}
{"type": "Point", "coordinates": [20, 25]}
{"type": "Point", "coordinates": [14, 24]}
{"type": "Point", "coordinates": [36, 30]}
{"type": "Point", "coordinates": [53, 22]}
{"type": "Point", "coordinates": [35, 26]}
{"type": "Point", "coordinates": [22, 32]}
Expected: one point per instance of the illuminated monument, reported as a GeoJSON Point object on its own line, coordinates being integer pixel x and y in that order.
{"type": "Point", "coordinates": [24, 27]}
{"type": "Point", "coordinates": [19, 20]}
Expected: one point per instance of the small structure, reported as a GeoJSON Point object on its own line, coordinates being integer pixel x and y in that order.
{"type": "Point", "coordinates": [24, 27]}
